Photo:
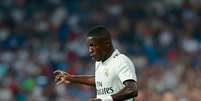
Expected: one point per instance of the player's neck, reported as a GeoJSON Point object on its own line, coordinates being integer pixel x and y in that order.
{"type": "Point", "coordinates": [108, 55]}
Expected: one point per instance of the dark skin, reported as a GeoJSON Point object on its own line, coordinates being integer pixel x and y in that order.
{"type": "Point", "coordinates": [100, 49]}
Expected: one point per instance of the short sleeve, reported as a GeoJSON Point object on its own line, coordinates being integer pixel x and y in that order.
{"type": "Point", "coordinates": [126, 71]}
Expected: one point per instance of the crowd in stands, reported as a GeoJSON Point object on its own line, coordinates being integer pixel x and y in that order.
{"type": "Point", "coordinates": [162, 37]}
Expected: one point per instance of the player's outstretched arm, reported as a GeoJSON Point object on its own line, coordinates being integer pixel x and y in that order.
{"type": "Point", "coordinates": [129, 91]}
{"type": "Point", "coordinates": [63, 77]}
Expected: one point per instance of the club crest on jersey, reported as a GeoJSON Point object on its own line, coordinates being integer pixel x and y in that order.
{"type": "Point", "coordinates": [106, 72]}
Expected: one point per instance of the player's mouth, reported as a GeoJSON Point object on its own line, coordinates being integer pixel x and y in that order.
{"type": "Point", "coordinates": [93, 56]}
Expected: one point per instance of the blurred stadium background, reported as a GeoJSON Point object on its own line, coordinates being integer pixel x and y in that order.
{"type": "Point", "coordinates": [163, 38]}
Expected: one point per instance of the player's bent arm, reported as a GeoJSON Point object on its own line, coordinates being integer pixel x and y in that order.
{"type": "Point", "coordinates": [83, 79]}
{"type": "Point", "coordinates": [129, 91]}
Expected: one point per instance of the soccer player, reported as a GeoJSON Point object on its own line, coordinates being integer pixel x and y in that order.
{"type": "Point", "coordinates": [115, 78]}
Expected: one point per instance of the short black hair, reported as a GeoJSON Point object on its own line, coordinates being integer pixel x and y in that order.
{"type": "Point", "coordinates": [99, 31]}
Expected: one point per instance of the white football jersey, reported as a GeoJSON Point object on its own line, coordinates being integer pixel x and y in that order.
{"type": "Point", "coordinates": [111, 74]}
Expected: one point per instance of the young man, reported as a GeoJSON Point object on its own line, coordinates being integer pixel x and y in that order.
{"type": "Point", "coordinates": [115, 78]}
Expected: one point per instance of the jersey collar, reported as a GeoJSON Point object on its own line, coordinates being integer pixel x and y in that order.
{"type": "Point", "coordinates": [114, 54]}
